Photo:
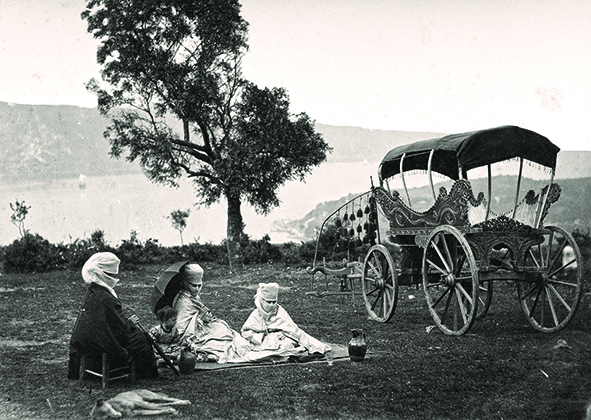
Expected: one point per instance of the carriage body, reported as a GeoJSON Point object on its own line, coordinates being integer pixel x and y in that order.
{"type": "Point", "coordinates": [460, 246]}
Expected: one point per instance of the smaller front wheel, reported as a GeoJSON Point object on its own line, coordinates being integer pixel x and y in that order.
{"type": "Point", "coordinates": [379, 283]}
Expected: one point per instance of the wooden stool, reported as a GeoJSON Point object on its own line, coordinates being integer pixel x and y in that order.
{"type": "Point", "coordinates": [106, 374]}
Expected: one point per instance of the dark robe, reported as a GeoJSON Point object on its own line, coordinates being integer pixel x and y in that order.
{"type": "Point", "coordinates": [101, 327]}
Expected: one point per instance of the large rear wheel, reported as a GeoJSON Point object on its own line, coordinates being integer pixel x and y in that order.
{"type": "Point", "coordinates": [450, 280]}
{"type": "Point", "coordinates": [550, 297]}
{"type": "Point", "coordinates": [379, 283]}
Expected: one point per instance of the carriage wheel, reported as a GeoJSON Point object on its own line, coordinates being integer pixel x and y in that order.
{"type": "Point", "coordinates": [450, 280]}
{"type": "Point", "coordinates": [550, 299]}
{"type": "Point", "coordinates": [485, 293]}
{"type": "Point", "coordinates": [379, 283]}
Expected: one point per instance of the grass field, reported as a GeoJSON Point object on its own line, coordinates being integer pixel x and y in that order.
{"type": "Point", "coordinates": [501, 369]}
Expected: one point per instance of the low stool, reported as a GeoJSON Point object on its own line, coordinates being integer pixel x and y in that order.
{"type": "Point", "coordinates": [108, 374]}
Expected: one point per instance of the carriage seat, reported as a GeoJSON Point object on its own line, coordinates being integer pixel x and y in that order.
{"type": "Point", "coordinates": [526, 211]}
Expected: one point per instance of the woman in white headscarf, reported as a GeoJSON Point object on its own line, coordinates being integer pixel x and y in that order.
{"type": "Point", "coordinates": [269, 326]}
{"type": "Point", "coordinates": [101, 326]}
{"type": "Point", "coordinates": [202, 331]}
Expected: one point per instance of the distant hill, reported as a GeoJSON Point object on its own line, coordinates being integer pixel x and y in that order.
{"type": "Point", "coordinates": [45, 141]}
{"type": "Point", "coordinates": [49, 141]}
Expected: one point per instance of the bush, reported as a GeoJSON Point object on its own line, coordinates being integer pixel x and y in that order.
{"type": "Point", "coordinates": [76, 253]}
{"type": "Point", "coordinates": [262, 251]}
{"type": "Point", "coordinates": [32, 253]}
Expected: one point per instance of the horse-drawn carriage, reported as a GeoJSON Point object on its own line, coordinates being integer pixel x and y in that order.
{"type": "Point", "coordinates": [460, 246]}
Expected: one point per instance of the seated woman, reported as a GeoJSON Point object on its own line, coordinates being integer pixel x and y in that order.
{"type": "Point", "coordinates": [197, 326]}
{"type": "Point", "coordinates": [269, 326]}
{"type": "Point", "coordinates": [101, 326]}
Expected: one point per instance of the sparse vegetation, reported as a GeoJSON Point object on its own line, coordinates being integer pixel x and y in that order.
{"type": "Point", "coordinates": [19, 214]}
{"type": "Point", "coordinates": [178, 219]}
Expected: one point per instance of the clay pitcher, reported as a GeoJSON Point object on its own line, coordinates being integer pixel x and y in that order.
{"type": "Point", "coordinates": [357, 346]}
{"type": "Point", "coordinates": [186, 361]}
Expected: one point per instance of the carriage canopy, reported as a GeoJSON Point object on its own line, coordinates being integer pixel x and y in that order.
{"type": "Point", "coordinates": [471, 150]}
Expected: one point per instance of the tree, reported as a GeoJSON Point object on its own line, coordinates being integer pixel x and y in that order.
{"type": "Point", "coordinates": [177, 64]}
{"type": "Point", "coordinates": [19, 213]}
{"type": "Point", "coordinates": [178, 218]}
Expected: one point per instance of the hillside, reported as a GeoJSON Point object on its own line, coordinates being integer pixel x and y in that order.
{"type": "Point", "coordinates": [49, 142]}
{"type": "Point", "coordinates": [44, 141]}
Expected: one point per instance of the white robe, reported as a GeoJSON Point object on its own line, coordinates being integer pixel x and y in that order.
{"type": "Point", "coordinates": [278, 331]}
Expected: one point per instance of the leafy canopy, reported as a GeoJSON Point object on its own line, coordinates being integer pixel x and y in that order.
{"type": "Point", "coordinates": [178, 103]}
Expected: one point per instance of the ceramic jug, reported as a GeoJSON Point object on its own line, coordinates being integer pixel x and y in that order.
{"type": "Point", "coordinates": [186, 360]}
{"type": "Point", "coordinates": [357, 346]}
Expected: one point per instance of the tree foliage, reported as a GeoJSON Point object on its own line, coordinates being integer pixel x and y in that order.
{"type": "Point", "coordinates": [178, 219]}
{"type": "Point", "coordinates": [19, 214]}
{"type": "Point", "coordinates": [177, 103]}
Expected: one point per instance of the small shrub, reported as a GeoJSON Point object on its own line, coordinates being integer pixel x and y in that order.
{"type": "Point", "coordinates": [31, 253]}
{"type": "Point", "coordinates": [262, 251]}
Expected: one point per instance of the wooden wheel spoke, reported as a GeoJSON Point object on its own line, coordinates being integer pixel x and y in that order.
{"type": "Point", "coordinates": [373, 306]}
{"type": "Point", "coordinates": [447, 266]}
{"type": "Point", "coordinates": [533, 307]}
{"type": "Point", "coordinates": [374, 269]}
{"type": "Point", "coordinates": [385, 299]}
{"type": "Point", "coordinates": [552, 308]}
{"type": "Point", "coordinates": [436, 267]}
{"type": "Point", "coordinates": [534, 287]}
{"type": "Point", "coordinates": [559, 296]}
{"type": "Point", "coordinates": [461, 305]}
{"type": "Point", "coordinates": [464, 292]}
{"type": "Point", "coordinates": [558, 252]}
{"type": "Point", "coordinates": [440, 298]}
{"type": "Point", "coordinates": [447, 302]}
{"type": "Point", "coordinates": [460, 265]}
{"type": "Point", "coordinates": [447, 253]}
{"type": "Point", "coordinates": [563, 283]}
{"type": "Point", "coordinates": [561, 268]}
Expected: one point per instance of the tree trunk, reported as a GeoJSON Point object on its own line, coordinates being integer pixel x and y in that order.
{"type": "Point", "coordinates": [235, 228]}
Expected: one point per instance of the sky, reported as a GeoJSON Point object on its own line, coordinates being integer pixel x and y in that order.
{"type": "Point", "coordinates": [445, 66]}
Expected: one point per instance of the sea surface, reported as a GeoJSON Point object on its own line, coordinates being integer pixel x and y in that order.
{"type": "Point", "coordinates": [63, 210]}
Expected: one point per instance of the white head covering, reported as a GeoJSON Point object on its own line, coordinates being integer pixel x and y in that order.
{"type": "Point", "coordinates": [192, 273]}
{"type": "Point", "coordinates": [95, 269]}
{"type": "Point", "coordinates": [267, 292]}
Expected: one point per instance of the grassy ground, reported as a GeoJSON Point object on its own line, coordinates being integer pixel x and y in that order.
{"type": "Point", "coordinates": [501, 369]}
